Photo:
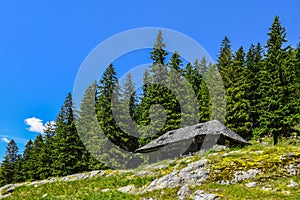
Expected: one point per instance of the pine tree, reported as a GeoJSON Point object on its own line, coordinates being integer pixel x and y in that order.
{"type": "Point", "coordinates": [89, 130]}
{"type": "Point", "coordinates": [291, 90]}
{"type": "Point", "coordinates": [182, 104]}
{"type": "Point", "coordinates": [28, 169]}
{"type": "Point", "coordinates": [238, 105]}
{"type": "Point", "coordinates": [158, 55]}
{"type": "Point", "coordinates": [143, 119]}
{"type": "Point", "coordinates": [68, 148]}
{"type": "Point", "coordinates": [253, 67]}
{"type": "Point", "coordinates": [225, 60]}
{"type": "Point", "coordinates": [107, 99]}
{"type": "Point", "coordinates": [204, 96]}
{"type": "Point", "coordinates": [194, 78]}
{"type": "Point", "coordinates": [8, 165]}
{"type": "Point", "coordinates": [175, 63]}
{"type": "Point", "coordinates": [18, 175]}
{"type": "Point", "coordinates": [37, 158]}
{"type": "Point", "coordinates": [47, 150]}
{"type": "Point", "coordinates": [127, 114]}
{"type": "Point", "coordinates": [272, 105]}
{"type": "Point", "coordinates": [104, 100]}
{"type": "Point", "coordinates": [155, 92]}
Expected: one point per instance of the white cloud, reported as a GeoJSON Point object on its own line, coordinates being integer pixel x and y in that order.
{"type": "Point", "coordinates": [36, 125]}
{"type": "Point", "coordinates": [6, 140]}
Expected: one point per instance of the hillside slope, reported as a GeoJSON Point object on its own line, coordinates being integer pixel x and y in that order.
{"type": "Point", "coordinates": [254, 172]}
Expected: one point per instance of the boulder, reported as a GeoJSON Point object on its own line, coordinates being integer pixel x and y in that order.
{"type": "Point", "coordinates": [293, 184]}
{"type": "Point", "coordinates": [251, 184]}
{"type": "Point", "coordinates": [129, 189]}
{"type": "Point", "coordinates": [200, 195]}
{"type": "Point", "coordinates": [184, 192]}
{"type": "Point", "coordinates": [243, 175]}
{"type": "Point", "coordinates": [218, 148]}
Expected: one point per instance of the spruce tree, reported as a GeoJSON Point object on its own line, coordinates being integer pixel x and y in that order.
{"type": "Point", "coordinates": [194, 78]}
{"type": "Point", "coordinates": [47, 150]}
{"type": "Point", "coordinates": [155, 92]}
{"type": "Point", "coordinates": [273, 103]}
{"type": "Point", "coordinates": [291, 91]}
{"type": "Point", "coordinates": [104, 100]}
{"type": "Point", "coordinates": [37, 157]}
{"type": "Point", "coordinates": [8, 165]}
{"type": "Point", "coordinates": [204, 96]}
{"type": "Point", "coordinates": [68, 148]}
{"type": "Point", "coordinates": [107, 99]}
{"type": "Point", "coordinates": [126, 113]}
{"type": "Point", "coordinates": [143, 119]}
{"type": "Point", "coordinates": [89, 130]}
{"type": "Point", "coordinates": [225, 60]}
{"type": "Point", "coordinates": [238, 105]}
{"type": "Point", "coordinates": [253, 67]}
{"type": "Point", "coordinates": [18, 175]}
{"type": "Point", "coordinates": [175, 63]}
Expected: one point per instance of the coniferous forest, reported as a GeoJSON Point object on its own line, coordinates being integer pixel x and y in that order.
{"type": "Point", "coordinates": [262, 85]}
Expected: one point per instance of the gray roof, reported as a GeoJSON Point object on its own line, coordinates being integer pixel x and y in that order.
{"type": "Point", "coordinates": [213, 127]}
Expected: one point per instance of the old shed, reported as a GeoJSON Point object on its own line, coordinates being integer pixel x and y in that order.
{"type": "Point", "coordinates": [191, 139]}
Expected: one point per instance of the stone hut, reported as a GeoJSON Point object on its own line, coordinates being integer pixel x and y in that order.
{"type": "Point", "coordinates": [191, 139]}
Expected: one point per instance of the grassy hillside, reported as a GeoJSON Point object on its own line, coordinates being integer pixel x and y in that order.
{"type": "Point", "coordinates": [274, 181]}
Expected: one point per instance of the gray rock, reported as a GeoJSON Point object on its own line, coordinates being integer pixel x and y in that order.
{"type": "Point", "coordinates": [218, 148]}
{"type": "Point", "coordinates": [196, 177]}
{"type": "Point", "coordinates": [256, 152]}
{"type": "Point", "coordinates": [44, 195]}
{"type": "Point", "coordinates": [251, 184]}
{"type": "Point", "coordinates": [52, 179]}
{"type": "Point", "coordinates": [75, 177]}
{"type": "Point", "coordinates": [194, 173]}
{"type": "Point", "coordinates": [94, 173]}
{"type": "Point", "coordinates": [7, 189]}
{"type": "Point", "coordinates": [231, 153]}
{"type": "Point", "coordinates": [33, 183]}
{"type": "Point", "coordinates": [287, 192]}
{"type": "Point", "coordinates": [213, 154]}
{"type": "Point", "coordinates": [105, 190]}
{"type": "Point", "coordinates": [198, 192]}
{"type": "Point", "coordinates": [290, 155]}
{"type": "Point", "coordinates": [206, 197]}
{"type": "Point", "coordinates": [129, 189]}
{"type": "Point", "coordinates": [4, 196]}
{"type": "Point", "coordinates": [200, 195]}
{"type": "Point", "coordinates": [243, 175]}
{"type": "Point", "coordinates": [193, 166]}
{"type": "Point", "coordinates": [224, 182]}
{"type": "Point", "coordinates": [168, 181]}
{"type": "Point", "coordinates": [198, 164]}
{"type": "Point", "coordinates": [293, 169]}
{"type": "Point", "coordinates": [155, 166]}
{"type": "Point", "coordinates": [266, 188]}
{"type": "Point", "coordinates": [142, 173]}
{"type": "Point", "coordinates": [293, 184]}
{"type": "Point", "coordinates": [184, 192]}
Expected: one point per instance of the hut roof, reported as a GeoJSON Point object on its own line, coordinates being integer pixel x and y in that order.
{"type": "Point", "coordinates": [213, 127]}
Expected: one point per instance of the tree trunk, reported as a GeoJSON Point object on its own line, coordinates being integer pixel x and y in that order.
{"type": "Point", "coordinates": [275, 138]}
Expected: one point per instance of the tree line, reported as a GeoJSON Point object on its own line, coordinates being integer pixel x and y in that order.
{"type": "Point", "coordinates": [262, 99]}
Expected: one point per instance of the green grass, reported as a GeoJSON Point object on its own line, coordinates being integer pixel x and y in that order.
{"type": "Point", "coordinates": [267, 158]}
{"type": "Point", "coordinates": [240, 191]}
{"type": "Point", "coordinates": [82, 189]}
{"type": "Point", "coordinates": [90, 189]}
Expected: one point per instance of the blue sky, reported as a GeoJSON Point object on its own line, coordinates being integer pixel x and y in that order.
{"type": "Point", "coordinates": [43, 43]}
